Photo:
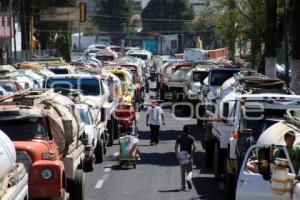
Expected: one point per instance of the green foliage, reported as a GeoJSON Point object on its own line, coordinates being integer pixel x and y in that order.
{"type": "Point", "coordinates": [112, 15]}
{"type": "Point", "coordinates": [235, 20]}
{"type": "Point", "coordinates": [166, 15]}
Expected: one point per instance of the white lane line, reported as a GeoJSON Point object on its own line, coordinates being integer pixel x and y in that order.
{"type": "Point", "coordinates": [99, 184]}
{"type": "Point", "coordinates": [205, 175]}
{"type": "Point", "coordinates": [101, 181]}
{"type": "Point", "coordinates": [107, 170]}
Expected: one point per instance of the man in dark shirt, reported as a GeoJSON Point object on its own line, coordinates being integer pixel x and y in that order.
{"type": "Point", "coordinates": [187, 145]}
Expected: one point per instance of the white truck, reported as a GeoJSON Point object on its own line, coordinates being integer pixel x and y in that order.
{"type": "Point", "coordinates": [195, 55]}
{"type": "Point", "coordinates": [246, 116]}
{"type": "Point", "coordinates": [13, 175]}
{"type": "Point", "coordinates": [91, 138]}
{"type": "Point", "coordinates": [94, 92]}
{"type": "Point", "coordinates": [274, 176]}
{"type": "Point", "coordinates": [216, 77]}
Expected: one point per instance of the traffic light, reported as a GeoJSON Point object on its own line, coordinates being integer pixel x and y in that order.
{"type": "Point", "coordinates": [82, 12]}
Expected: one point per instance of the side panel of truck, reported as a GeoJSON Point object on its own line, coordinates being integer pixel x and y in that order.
{"type": "Point", "coordinates": [223, 132]}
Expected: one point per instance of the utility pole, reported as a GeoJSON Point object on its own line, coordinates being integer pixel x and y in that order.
{"type": "Point", "coordinates": [10, 30]}
{"type": "Point", "coordinates": [253, 40]}
{"type": "Point", "coordinates": [286, 45]}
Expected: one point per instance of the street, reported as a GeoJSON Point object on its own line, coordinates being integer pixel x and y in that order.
{"type": "Point", "coordinates": [157, 175]}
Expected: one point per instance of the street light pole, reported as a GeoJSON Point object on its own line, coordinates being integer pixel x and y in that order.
{"type": "Point", "coordinates": [286, 45]}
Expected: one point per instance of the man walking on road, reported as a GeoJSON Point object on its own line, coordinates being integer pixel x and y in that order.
{"type": "Point", "coordinates": [153, 119]}
{"type": "Point", "coordinates": [185, 156]}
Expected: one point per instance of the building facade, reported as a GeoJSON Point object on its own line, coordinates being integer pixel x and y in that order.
{"type": "Point", "coordinates": [5, 36]}
{"type": "Point", "coordinates": [198, 6]}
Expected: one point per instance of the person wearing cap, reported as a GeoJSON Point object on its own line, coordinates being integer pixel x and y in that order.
{"type": "Point", "coordinates": [187, 147]}
{"type": "Point", "coordinates": [154, 113]}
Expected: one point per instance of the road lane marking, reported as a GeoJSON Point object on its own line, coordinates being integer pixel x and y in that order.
{"type": "Point", "coordinates": [107, 170]}
{"type": "Point", "coordinates": [100, 182]}
{"type": "Point", "coordinates": [206, 175]}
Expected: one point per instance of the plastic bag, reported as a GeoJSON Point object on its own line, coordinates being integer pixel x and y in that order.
{"type": "Point", "coordinates": [183, 157]}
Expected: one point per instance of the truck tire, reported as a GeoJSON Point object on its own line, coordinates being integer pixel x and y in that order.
{"type": "Point", "coordinates": [217, 168]}
{"type": "Point", "coordinates": [229, 181]}
{"type": "Point", "coordinates": [115, 128]}
{"type": "Point", "coordinates": [77, 188]}
{"type": "Point", "coordinates": [99, 151]}
{"type": "Point", "coordinates": [89, 165]}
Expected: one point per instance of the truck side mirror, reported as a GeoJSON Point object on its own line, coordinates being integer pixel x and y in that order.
{"type": "Point", "coordinates": [264, 158]}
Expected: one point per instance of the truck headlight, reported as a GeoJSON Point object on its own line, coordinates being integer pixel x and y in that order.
{"type": "Point", "coordinates": [47, 174]}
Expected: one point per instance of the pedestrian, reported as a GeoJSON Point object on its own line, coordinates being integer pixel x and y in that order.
{"type": "Point", "coordinates": [188, 148]}
{"type": "Point", "coordinates": [154, 113]}
{"type": "Point", "coordinates": [293, 150]}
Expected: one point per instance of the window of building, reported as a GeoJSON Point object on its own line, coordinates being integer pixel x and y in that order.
{"type": "Point", "coordinates": [3, 21]}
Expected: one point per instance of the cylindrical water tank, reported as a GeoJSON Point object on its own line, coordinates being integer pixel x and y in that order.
{"type": "Point", "coordinates": [7, 155]}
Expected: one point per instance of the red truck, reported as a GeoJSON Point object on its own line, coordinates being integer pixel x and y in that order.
{"type": "Point", "coordinates": [45, 132]}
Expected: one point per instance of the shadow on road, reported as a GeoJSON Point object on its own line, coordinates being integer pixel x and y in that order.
{"type": "Point", "coordinates": [171, 191]}
{"type": "Point", "coordinates": [159, 159]}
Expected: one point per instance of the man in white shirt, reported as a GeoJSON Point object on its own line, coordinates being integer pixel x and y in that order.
{"type": "Point", "coordinates": [153, 119]}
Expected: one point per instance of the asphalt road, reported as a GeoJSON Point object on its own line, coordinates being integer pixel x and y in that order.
{"type": "Point", "coordinates": [157, 175]}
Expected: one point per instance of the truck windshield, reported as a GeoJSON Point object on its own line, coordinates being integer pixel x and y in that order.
{"type": "Point", "coordinates": [105, 58]}
{"type": "Point", "coordinates": [8, 86]}
{"type": "Point", "coordinates": [25, 130]}
{"type": "Point", "coordinates": [179, 75]}
{"type": "Point", "coordinates": [218, 77]}
{"type": "Point", "coordinates": [59, 71]}
{"type": "Point", "coordinates": [141, 56]}
{"type": "Point", "coordinates": [88, 86]}
{"type": "Point", "coordinates": [199, 76]}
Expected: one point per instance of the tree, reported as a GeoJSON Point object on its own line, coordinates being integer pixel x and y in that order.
{"type": "Point", "coordinates": [294, 31]}
{"type": "Point", "coordinates": [112, 15]}
{"type": "Point", "coordinates": [270, 38]}
{"type": "Point", "coordinates": [166, 16]}
{"type": "Point", "coordinates": [240, 20]}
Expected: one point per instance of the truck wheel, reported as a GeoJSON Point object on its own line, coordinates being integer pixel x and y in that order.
{"type": "Point", "coordinates": [229, 181]}
{"type": "Point", "coordinates": [77, 189]}
{"type": "Point", "coordinates": [217, 170]}
{"type": "Point", "coordinates": [89, 165]}
{"type": "Point", "coordinates": [115, 128]}
{"type": "Point", "coordinates": [99, 151]}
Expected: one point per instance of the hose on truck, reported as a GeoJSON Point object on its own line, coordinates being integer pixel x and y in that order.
{"type": "Point", "coordinates": [12, 179]}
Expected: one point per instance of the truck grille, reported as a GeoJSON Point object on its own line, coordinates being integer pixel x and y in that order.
{"type": "Point", "coordinates": [23, 157]}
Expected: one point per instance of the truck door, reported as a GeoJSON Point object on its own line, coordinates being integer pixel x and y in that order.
{"type": "Point", "coordinates": [251, 184]}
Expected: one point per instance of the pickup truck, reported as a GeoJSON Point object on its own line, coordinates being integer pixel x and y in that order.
{"type": "Point", "coordinates": [274, 176]}
{"type": "Point", "coordinates": [245, 118]}
{"type": "Point", "coordinates": [13, 175]}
